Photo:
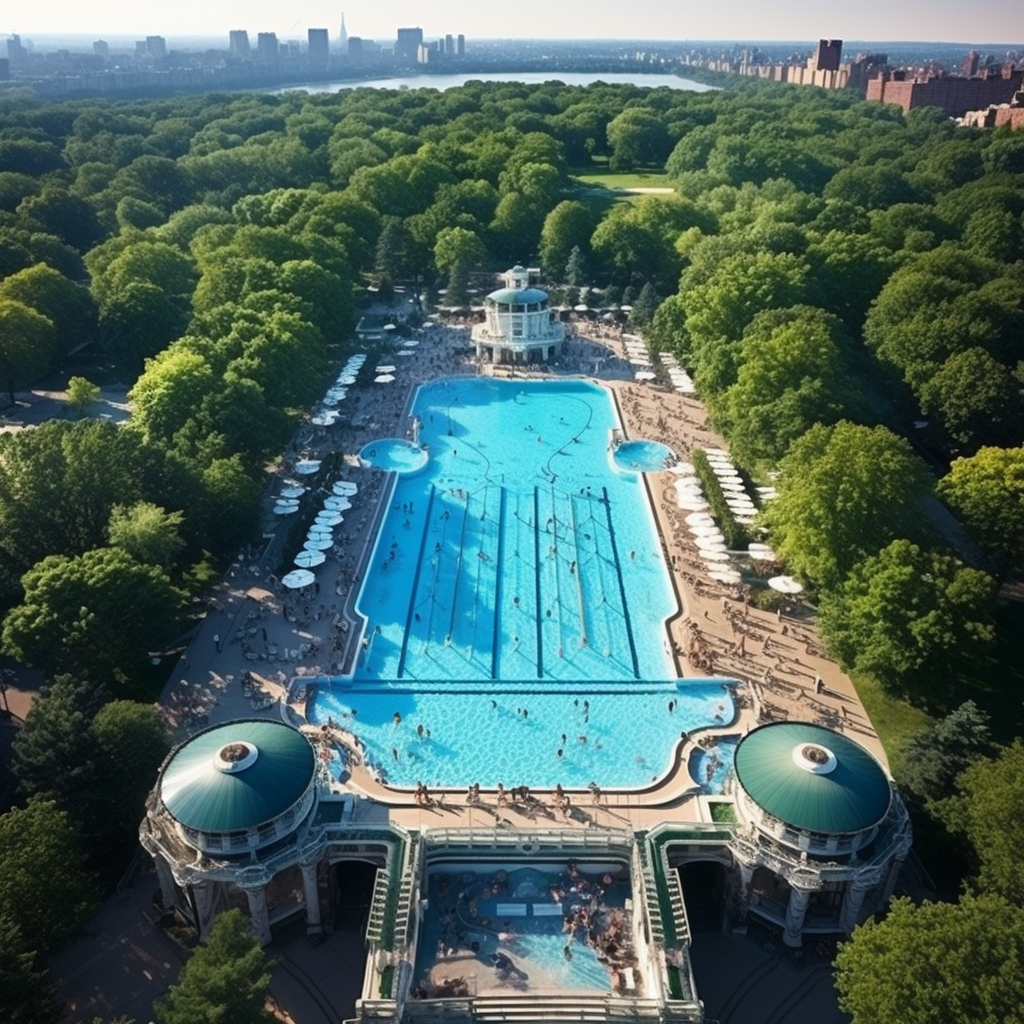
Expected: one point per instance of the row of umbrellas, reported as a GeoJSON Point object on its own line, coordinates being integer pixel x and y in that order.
{"type": "Point", "coordinates": [320, 537]}
{"type": "Point", "coordinates": [680, 379]}
{"type": "Point", "coordinates": [729, 479]}
{"type": "Point", "coordinates": [638, 354]}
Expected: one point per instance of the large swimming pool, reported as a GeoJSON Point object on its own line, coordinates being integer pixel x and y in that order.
{"type": "Point", "coordinates": [517, 592]}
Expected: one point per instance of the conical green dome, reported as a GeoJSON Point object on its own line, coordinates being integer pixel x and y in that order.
{"type": "Point", "coordinates": [812, 778]}
{"type": "Point", "coordinates": [237, 776]}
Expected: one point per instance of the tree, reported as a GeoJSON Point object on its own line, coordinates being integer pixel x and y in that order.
{"type": "Point", "coordinates": [147, 532]}
{"type": "Point", "coordinates": [27, 340]}
{"type": "Point", "coordinates": [793, 373]}
{"type": "Point", "coordinates": [457, 245]}
{"type": "Point", "coordinates": [44, 888]}
{"type": "Point", "coordinates": [100, 613]}
{"type": "Point", "coordinates": [934, 759]}
{"type": "Point", "coordinates": [990, 812]}
{"type": "Point", "coordinates": [82, 393]}
{"type": "Point", "coordinates": [935, 963]}
{"type": "Point", "coordinates": [226, 981]}
{"type": "Point", "coordinates": [566, 228]}
{"type": "Point", "coordinates": [174, 384]}
{"type": "Point", "coordinates": [986, 491]}
{"type": "Point", "coordinates": [131, 743]}
{"type": "Point", "coordinates": [911, 617]}
{"type": "Point", "coordinates": [67, 305]}
{"type": "Point", "coordinates": [638, 138]}
{"type": "Point", "coordinates": [53, 754]}
{"type": "Point", "coordinates": [844, 493]}
{"type": "Point", "coordinates": [27, 996]}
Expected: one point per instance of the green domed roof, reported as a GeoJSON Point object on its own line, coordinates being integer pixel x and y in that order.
{"type": "Point", "coordinates": [518, 295]}
{"type": "Point", "coordinates": [236, 776]}
{"type": "Point", "coordinates": [812, 778]}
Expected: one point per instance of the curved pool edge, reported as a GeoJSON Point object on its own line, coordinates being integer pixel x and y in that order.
{"type": "Point", "coordinates": [663, 790]}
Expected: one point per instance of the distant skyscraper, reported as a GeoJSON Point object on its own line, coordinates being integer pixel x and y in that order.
{"type": "Point", "coordinates": [461, 43]}
{"type": "Point", "coordinates": [319, 48]}
{"type": "Point", "coordinates": [267, 47]}
{"type": "Point", "coordinates": [101, 48]}
{"type": "Point", "coordinates": [970, 68]}
{"type": "Point", "coordinates": [408, 44]}
{"type": "Point", "coordinates": [343, 35]}
{"type": "Point", "coordinates": [238, 44]}
{"type": "Point", "coordinates": [355, 49]}
{"type": "Point", "coordinates": [449, 45]}
{"type": "Point", "coordinates": [156, 47]}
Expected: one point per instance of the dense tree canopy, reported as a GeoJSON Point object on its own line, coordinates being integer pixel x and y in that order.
{"type": "Point", "coordinates": [844, 493]}
{"type": "Point", "coordinates": [225, 981]}
{"type": "Point", "coordinates": [935, 963]}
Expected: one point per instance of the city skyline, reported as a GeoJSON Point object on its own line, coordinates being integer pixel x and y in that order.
{"type": "Point", "coordinates": [990, 21]}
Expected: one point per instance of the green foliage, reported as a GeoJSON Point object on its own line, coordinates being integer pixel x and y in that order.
{"type": "Point", "coordinates": [990, 812]}
{"type": "Point", "coordinates": [67, 305]}
{"type": "Point", "coordinates": [986, 491]}
{"type": "Point", "coordinates": [224, 982]}
{"type": "Point", "coordinates": [935, 963]}
{"type": "Point", "coordinates": [27, 996]}
{"type": "Point", "coordinates": [100, 613]}
{"type": "Point", "coordinates": [45, 890]}
{"type": "Point", "coordinates": [911, 617]}
{"type": "Point", "coordinates": [27, 341]}
{"type": "Point", "coordinates": [147, 532]}
{"type": "Point", "coordinates": [794, 372]}
{"type": "Point", "coordinates": [934, 758]}
{"type": "Point", "coordinates": [567, 227]}
{"type": "Point", "coordinates": [845, 492]}
{"type": "Point", "coordinates": [735, 536]}
{"type": "Point", "coordinates": [82, 393]}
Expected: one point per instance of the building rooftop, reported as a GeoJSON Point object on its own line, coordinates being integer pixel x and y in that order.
{"type": "Point", "coordinates": [518, 295]}
{"type": "Point", "coordinates": [812, 778]}
{"type": "Point", "coordinates": [237, 776]}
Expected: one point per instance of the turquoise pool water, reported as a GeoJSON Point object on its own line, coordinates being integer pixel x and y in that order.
{"type": "Point", "coordinates": [516, 554]}
{"type": "Point", "coordinates": [394, 455]}
{"type": "Point", "coordinates": [517, 591]}
{"type": "Point", "coordinates": [711, 766]}
{"type": "Point", "coordinates": [642, 456]}
{"type": "Point", "coordinates": [475, 916]}
{"type": "Point", "coordinates": [451, 738]}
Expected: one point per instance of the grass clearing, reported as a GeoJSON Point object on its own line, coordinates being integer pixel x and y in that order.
{"type": "Point", "coordinates": [627, 179]}
{"type": "Point", "coordinates": [895, 721]}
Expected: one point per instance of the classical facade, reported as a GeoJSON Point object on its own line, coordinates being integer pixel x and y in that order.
{"type": "Point", "coordinates": [519, 325]}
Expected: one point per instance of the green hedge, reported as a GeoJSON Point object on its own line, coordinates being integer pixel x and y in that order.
{"type": "Point", "coordinates": [736, 536]}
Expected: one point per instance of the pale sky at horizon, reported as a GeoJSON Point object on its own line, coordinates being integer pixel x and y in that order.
{"type": "Point", "coordinates": [983, 21]}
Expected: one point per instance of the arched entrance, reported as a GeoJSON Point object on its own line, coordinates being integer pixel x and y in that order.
{"type": "Point", "coordinates": [352, 883]}
{"type": "Point", "coordinates": [705, 890]}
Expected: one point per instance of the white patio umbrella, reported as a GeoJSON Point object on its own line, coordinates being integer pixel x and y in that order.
{"type": "Point", "coordinates": [715, 556]}
{"type": "Point", "coordinates": [345, 488]}
{"type": "Point", "coordinates": [692, 505]}
{"type": "Point", "coordinates": [336, 504]}
{"type": "Point", "coordinates": [388, 368]}
{"type": "Point", "coordinates": [287, 501]}
{"type": "Point", "coordinates": [682, 469]}
{"type": "Point", "coordinates": [306, 467]}
{"type": "Point", "coordinates": [706, 544]}
{"type": "Point", "coordinates": [317, 545]}
{"type": "Point", "coordinates": [644, 375]}
{"type": "Point", "coordinates": [384, 378]}
{"type": "Point", "coordinates": [699, 519]}
{"type": "Point", "coordinates": [410, 343]}
{"type": "Point", "coordinates": [324, 419]}
{"type": "Point", "coordinates": [761, 556]}
{"type": "Point", "coordinates": [293, 492]}
{"type": "Point", "coordinates": [725, 575]}
{"type": "Point", "coordinates": [308, 559]}
{"type": "Point", "coordinates": [285, 510]}
{"type": "Point", "coordinates": [707, 532]}
{"type": "Point", "coordinates": [329, 518]}
{"type": "Point", "coordinates": [297, 578]}
{"type": "Point", "coordinates": [785, 585]}
{"type": "Point", "coordinates": [320, 532]}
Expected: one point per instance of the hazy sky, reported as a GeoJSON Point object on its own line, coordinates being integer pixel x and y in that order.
{"type": "Point", "coordinates": [991, 21]}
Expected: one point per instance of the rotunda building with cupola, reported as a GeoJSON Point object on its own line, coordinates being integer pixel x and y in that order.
{"type": "Point", "coordinates": [519, 325]}
{"type": "Point", "coordinates": [821, 829]}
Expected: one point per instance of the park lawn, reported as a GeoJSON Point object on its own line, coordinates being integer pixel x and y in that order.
{"type": "Point", "coordinates": [627, 179]}
{"type": "Point", "coordinates": [895, 721]}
